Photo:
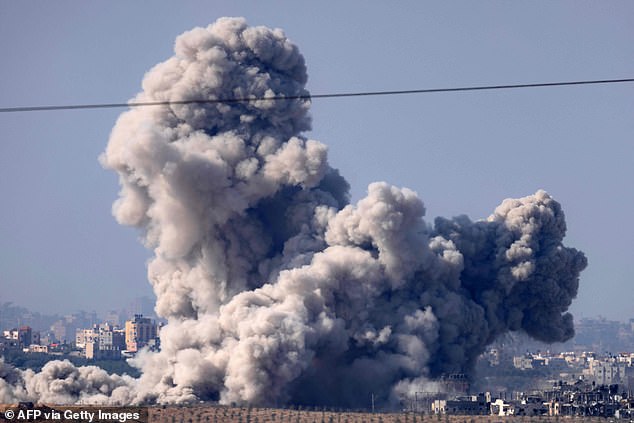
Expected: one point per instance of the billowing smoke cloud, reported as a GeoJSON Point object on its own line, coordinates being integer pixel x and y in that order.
{"type": "Point", "coordinates": [60, 382]}
{"type": "Point", "coordinates": [275, 289]}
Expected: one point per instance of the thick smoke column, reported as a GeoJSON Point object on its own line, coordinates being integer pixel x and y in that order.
{"type": "Point", "coordinates": [275, 289]}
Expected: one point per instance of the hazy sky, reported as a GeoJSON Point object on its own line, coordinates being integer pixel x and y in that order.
{"type": "Point", "coordinates": [463, 153]}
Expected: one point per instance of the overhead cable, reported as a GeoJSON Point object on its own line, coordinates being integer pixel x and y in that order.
{"type": "Point", "coordinates": [305, 97]}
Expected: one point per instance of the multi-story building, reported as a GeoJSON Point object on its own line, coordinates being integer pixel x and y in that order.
{"type": "Point", "coordinates": [110, 335]}
{"type": "Point", "coordinates": [102, 341]}
{"type": "Point", "coordinates": [139, 332]}
{"type": "Point", "coordinates": [10, 339]}
{"type": "Point", "coordinates": [96, 351]}
{"type": "Point", "coordinates": [85, 336]}
{"type": "Point", "coordinates": [25, 336]}
{"type": "Point", "coordinates": [608, 372]}
{"type": "Point", "coordinates": [21, 337]}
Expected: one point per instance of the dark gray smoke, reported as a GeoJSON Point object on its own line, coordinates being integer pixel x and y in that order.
{"type": "Point", "coordinates": [275, 289]}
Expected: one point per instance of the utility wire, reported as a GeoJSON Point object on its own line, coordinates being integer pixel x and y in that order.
{"type": "Point", "coordinates": [305, 97]}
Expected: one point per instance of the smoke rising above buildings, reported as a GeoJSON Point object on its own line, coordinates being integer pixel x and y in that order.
{"type": "Point", "coordinates": [276, 289]}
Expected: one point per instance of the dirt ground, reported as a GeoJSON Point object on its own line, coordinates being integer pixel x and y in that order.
{"type": "Point", "coordinates": [203, 413]}
{"type": "Point", "coordinates": [220, 414]}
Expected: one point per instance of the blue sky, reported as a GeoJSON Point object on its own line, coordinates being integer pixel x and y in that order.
{"type": "Point", "coordinates": [463, 153]}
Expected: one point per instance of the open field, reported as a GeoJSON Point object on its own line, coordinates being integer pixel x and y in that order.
{"type": "Point", "coordinates": [204, 413]}
{"type": "Point", "coordinates": [219, 414]}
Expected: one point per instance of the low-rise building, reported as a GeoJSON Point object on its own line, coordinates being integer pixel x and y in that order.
{"type": "Point", "coordinates": [474, 405]}
{"type": "Point", "coordinates": [35, 348]}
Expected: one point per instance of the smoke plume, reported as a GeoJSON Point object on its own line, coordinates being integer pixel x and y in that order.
{"type": "Point", "coordinates": [275, 289]}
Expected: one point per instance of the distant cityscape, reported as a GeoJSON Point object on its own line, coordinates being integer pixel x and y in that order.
{"type": "Point", "coordinates": [590, 375]}
{"type": "Point", "coordinates": [118, 335]}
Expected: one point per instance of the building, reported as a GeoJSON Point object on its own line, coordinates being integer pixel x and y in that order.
{"type": "Point", "coordinates": [10, 339]}
{"type": "Point", "coordinates": [523, 362]}
{"type": "Point", "coordinates": [531, 405]}
{"type": "Point", "coordinates": [533, 361]}
{"type": "Point", "coordinates": [111, 336]}
{"type": "Point", "coordinates": [139, 332]}
{"type": "Point", "coordinates": [21, 337]}
{"type": "Point", "coordinates": [95, 351]}
{"type": "Point", "coordinates": [455, 384]}
{"type": "Point", "coordinates": [101, 342]}
{"type": "Point", "coordinates": [582, 399]}
{"type": "Point", "coordinates": [85, 336]}
{"type": "Point", "coordinates": [501, 408]}
{"type": "Point", "coordinates": [608, 372]}
{"type": "Point", "coordinates": [25, 336]}
{"type": "Point", "coordinates": [34, 348]}
{"type": "Point", "coordinates": [474, 405]}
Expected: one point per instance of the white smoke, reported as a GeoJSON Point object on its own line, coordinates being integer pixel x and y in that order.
{"type": "Point", "coordinates": [60, 382]}
{"type": "Point", "coordinates": [275, 289]}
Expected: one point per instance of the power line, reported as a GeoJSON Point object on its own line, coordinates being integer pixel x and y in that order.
{"type": "Point", "coordinates": [306, 97]}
